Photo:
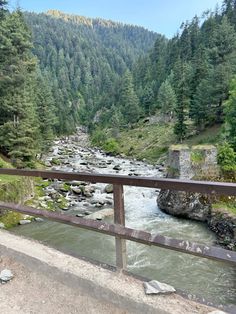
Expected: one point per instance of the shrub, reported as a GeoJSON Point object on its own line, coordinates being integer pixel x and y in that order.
{"type": "Point", "coordinates": [226, 157]}
{"type": "Point", "coordinates": [98, 137]}
{"type": "Point", "coordinates": [1, 164]}
{"type": "Point", "coordinates": [111, 146]}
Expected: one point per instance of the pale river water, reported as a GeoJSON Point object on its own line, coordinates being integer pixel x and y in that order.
{"type": "Point", "coordinates": [213, 281]}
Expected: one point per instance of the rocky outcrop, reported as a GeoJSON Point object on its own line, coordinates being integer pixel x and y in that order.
{"type": "Point", "coordinates": [188, 164]}
{"type": "Point", "coordinates": [198, 163]}
{"type": "Point", "coordinates": [184, 204]}
{"type": "Point", "coordinates": [224, 225]}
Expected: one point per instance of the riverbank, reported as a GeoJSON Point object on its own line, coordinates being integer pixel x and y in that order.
{"type": "Point", "coordinates": [13, 189]}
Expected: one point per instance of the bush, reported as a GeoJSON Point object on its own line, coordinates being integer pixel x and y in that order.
{"type": "Point", "coordinates": [226, 158]}
{"type": "Point", "coordinates": [111, 146]}
{"type": "Point", "coordinates": [98, 137]}
{"type": "Point", "coordinates": [1, 164]}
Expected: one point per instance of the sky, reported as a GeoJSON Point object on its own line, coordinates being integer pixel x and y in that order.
{"type": "Point", "coordinates": [161, 16]}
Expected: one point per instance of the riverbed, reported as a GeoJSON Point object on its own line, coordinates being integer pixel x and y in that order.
{"type": "Point", "coordinates": [214, 281]}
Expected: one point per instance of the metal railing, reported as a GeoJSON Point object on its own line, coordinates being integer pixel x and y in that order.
{"type": "Point", "coordinates": [118, 229]}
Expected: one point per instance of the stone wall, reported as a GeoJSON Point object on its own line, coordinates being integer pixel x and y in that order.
{"type": "Point", "coordinates": [186, 163]}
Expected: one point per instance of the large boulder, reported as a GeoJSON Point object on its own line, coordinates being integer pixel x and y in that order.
{"type": "Point", "coordinates": [188, 164]}
{"type": "Point", "coordinates": [223, 223]}
{"type": "Point", "coordinates": [184, 204]}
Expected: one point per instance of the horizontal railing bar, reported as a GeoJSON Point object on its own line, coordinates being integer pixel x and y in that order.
{"type": "Point", "coordinates": [205, 187]}
{"type": "Point", "coordinates": [210, 252]}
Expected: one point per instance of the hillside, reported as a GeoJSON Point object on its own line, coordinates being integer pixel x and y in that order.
{"type": "Point", "coordinates": [59, 71]}
{"type": "Point", "coordinates": [84, 60]}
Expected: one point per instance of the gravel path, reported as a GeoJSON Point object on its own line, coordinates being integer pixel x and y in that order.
{"type": "Point", "coordinates": [31, 293]}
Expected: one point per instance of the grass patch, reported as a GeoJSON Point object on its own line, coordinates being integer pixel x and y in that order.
{"type": "Point", "coordinates": [151, 141]}
{"type": "Point", "coordinates": [13, 189]}
{"type": "Point", "coordinates": [209, 136]}
{"type": "Point", "coordinates": [148, 142]}
{"type": "Point", "coordinates": [11, 219]}
{"type": "Point", "coordinates": [229, 207]}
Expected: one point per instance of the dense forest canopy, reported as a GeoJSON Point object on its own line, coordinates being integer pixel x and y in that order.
{"type": "Point", "coordinates": [59, 70]}
{"type": "Point", "coordinates": [84, 60]}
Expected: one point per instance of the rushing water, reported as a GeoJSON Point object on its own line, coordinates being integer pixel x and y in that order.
{"type": "Point", "coordinates": [214, 281]}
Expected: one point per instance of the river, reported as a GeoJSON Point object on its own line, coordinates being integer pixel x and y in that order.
{"type": "Point", "coordinates": [214, 281]}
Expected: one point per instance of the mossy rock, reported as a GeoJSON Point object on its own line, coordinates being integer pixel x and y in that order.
{"type": "Point", "coordinates": [55, 162]}
{"type": "Point", "coordinates": [178, 147]}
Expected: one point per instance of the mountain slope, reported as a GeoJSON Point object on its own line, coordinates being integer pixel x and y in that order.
{"type": "Point", "coordinates": [84, 59]}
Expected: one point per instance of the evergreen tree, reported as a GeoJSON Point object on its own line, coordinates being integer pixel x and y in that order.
{"type": "Point", "coordinates": [230, 115]}
{"type": "Point", "coordinates": [128, 99]}
{"type": "Point", "coordinates": [147, 99]}
{"type": "Point", "coordinates": [18, 123]}
{"type": "Point", "coordinates": [166, 99]}
{"type": "Point", "coordinates": [46, 111]}
{"type": "Point", "coordinates": [182, 77]}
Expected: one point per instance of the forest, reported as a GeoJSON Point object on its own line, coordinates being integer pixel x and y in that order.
{"type": "Point", "coordinates": [58, 71]}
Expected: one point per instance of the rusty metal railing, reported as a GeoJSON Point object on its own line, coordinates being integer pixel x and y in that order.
{"type": "Point", "coordinates": [118, 229]}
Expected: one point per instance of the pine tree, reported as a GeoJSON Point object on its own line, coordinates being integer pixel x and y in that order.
{"type": "Point", "coordinates": [46, 111]}
{"type": "Point", "coordinates": [230, 115]}
{"type": "Point", "coordinates": [18, 123]}
{"type": "Point", "coordinates": [182, 77]}
{"type": "Point", "coordinates": [167, 99]}
{"type": "Point", "coordinates": [128, 99]}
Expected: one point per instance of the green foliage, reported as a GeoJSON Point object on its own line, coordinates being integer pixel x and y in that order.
{"type": "Point", "coordinates": [230, 115]}
{"type": "Point", "coordinates": [111, 146]}
{"type": "Point", "coordinates": [166, 98]}
{"type": "Point", "coordinates": [55, 161]}
{"type": "Point", "coordinates": [197, 157]}
{"type": "Point", "coordinates": [129, 102]}
{"type": "Point", "coordinates": [229, 205]}
{"type": "Point", "coordinates": [11, 219]}
{"type": "Point", "coordinates": [95, 72]}
{"type": "Point", "coordinates": [84, 60]}
{"type": "Point", "coordinates": [98, 137]}
{"type": "Point", "coordinates": [198, 63]}
{"type": "Point", "coordinates": [226, 158]}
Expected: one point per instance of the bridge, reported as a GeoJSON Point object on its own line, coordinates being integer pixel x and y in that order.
{"type": "Point", "coordinates": [118, 228]}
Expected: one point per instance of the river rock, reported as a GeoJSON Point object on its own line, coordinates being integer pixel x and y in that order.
{"type": "Point", "coordinates": [88, 190]}
{"type": "Point", "coordinates": [24, 222]}
{"type": "Point", "coordinates": [156, 287]}
{"type": "Point", "coordinates": [64, 187]}
{"type": "Point", "coordinates": [6, 275]}
{"type": "Point", "coordinates": [109, 188]}
{"type": "Point", "coordinates": [74, 183]}
{"type": "Point", "coordinates": [79, 215]}
{"type": "Point", "coordinates": [76, 190]}
{"type": "Point", "coordinates": [38, 219]}
{"type": "Point", "coordinates": [117, 167]}
{"type": "Point", "coordinates": [98, 205]}
{"type": "Point", "coordinates": [87, 212]}
{"type": "Point", "coordinates": [101, 214]}
{"type": "Point", "coordinates": [184, 204]}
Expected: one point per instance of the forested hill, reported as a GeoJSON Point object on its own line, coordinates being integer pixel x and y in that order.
{"type": "Point", "coordinates": [188, 77]}
{"type": "Point", "coordinates": [84, 59]}
{"type": "Point", "coordinates": [59, 70]}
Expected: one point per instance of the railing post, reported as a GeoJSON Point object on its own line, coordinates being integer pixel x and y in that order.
{"type": "Point", "coordinates": [119, 218]}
